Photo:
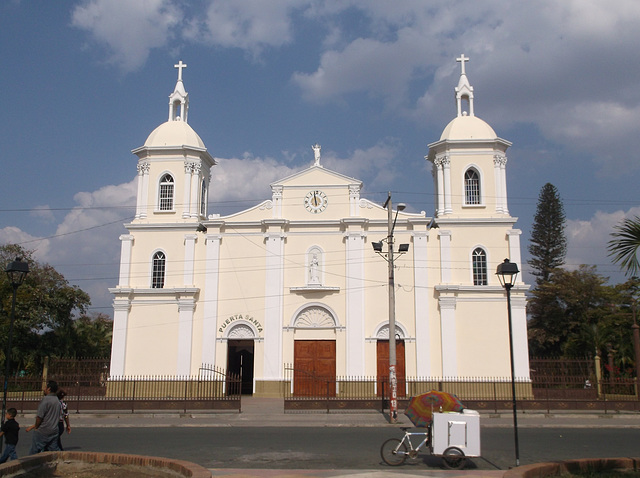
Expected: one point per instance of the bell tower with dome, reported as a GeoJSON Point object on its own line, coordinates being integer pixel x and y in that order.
{"type": "Point", "coordinates": [469, 163]}
{"type": "Point", "coordinates": [174, 167]}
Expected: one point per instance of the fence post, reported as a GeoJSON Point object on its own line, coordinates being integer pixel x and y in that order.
{"type": "Point", "coordinates": [382, 396]}
{"type": "Point", "coordinates": [77, 396]}
{"type": "Point", "coordinates": [186, 386]}
{"type": "Point", "coordinates": [133, 396]}
{"type": "Point", "coordinates": [328, 385]}
{"type": "Point", "coordinates": [548, 401]}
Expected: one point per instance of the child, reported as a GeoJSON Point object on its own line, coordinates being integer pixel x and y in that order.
{"type": "Point", "coordinates": [10, 431]}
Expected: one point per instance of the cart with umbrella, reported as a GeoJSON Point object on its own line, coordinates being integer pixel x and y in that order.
{"type": "Point", "coordinates": [453, 431]}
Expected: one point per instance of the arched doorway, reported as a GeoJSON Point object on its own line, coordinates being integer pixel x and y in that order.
{"type": "Point", "coordinates": [315, 357]}
{"type": "Point", "coordinates": [240, 356]}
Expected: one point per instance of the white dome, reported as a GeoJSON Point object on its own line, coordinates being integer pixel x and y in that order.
{"type": "Point", "coordinates": [468, 127]}
{"type": "Point", "coordinates": [174, 133]}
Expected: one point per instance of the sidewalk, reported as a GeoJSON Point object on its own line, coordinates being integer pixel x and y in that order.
{"type": "Point", "coordinates": [269, 412]}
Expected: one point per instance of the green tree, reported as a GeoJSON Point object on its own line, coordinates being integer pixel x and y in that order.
{"type": "Point", "coordinates": [46, 308]}
{"type": "Point", "coordinates": [623, 248]}
{"type": "Point", "coordinates": [564, 311]}
{"type": "Point", "coordinates": [548, 245]}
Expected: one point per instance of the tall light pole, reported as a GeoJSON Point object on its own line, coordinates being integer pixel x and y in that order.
{"type": "Point", "coordinates": [507, 272]}
{"type": "Point", "coordinates": [377, 247]}
{"type": "Point", "coordinates": [16, 272]}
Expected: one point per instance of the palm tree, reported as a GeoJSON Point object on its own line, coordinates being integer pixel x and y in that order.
{"type": "Point", "coordinates": [625, 244]}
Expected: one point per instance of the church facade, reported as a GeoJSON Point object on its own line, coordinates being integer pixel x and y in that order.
{"type": "Point", "coordinates": [294, 281]}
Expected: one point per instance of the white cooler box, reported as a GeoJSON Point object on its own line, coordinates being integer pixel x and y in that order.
{"type": "Point", "coordinates": [461, 430]}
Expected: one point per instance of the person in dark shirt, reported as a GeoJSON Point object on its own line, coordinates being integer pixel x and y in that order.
{"type": "Point", "coordinates": [10, 431]}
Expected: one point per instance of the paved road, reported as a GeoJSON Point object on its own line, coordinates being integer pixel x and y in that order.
{"type": "Point", "coordinates": [338, 447]}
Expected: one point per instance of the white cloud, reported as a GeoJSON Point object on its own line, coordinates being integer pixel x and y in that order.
{"type": "Point", "coordinates": [15, 235]}
{"type": "Point", "coordinates": [85, 247]}
{"type": "Point", "coordinates": [129, 30]}
{"type": "Point", "coordinates": [43, 213]}
{"type": "Point", "coordinates": [250, 25]}
{"type": "Point", "coordinates": [587, 242]}
{"type": "Point", "coordinates": [237, 183]}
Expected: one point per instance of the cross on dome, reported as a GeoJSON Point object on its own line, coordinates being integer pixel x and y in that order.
{"type": "Point", "coordinates": [181, 65]}
{"type": "Point", "coordinates": [462, 60]}
{"type": "Point", "coordinates": [464, 91]}
{"type": "Point", "coordinates": [179, 99]}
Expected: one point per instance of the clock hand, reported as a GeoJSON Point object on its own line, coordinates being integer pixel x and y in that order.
{"type": "Point", "coordinates": [315, 199]}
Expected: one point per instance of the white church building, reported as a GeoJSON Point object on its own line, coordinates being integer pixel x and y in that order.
{"type": "Point", "coordinates": [295, 280]}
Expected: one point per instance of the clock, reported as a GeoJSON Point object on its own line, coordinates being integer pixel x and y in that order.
{"type": "Point", "coordinates": [315, 201]}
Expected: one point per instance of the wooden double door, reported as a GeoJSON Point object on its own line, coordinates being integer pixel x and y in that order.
{"type": "Point", "coordinates": [314, 368]}
{"type": "Point", "coordinates": [383, 367]}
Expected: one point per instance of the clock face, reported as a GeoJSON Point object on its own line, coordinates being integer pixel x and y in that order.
{"type": "Point", "coordinates": [315, 201]}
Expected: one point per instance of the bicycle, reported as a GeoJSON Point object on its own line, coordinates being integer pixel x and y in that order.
{"type": "Point", "coordinates": [395, 451]}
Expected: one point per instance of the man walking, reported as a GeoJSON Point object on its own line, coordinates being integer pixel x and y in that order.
{"type": "Point", "coordinates": [45, 435]}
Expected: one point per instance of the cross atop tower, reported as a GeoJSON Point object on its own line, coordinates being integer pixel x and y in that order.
{"type": "Point", "coordinates": [181, 65]}
{"type": "Point", "coordinates": [462, 60]}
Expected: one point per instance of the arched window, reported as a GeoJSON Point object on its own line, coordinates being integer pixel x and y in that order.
{"type": "Point", "coordinates": [479, 260]}
{"type": "Point", "coordinates": [203, 199]}
{"type": "Point", "coordinates": [159, 265]}
{"type": "Point", "coordinates": [471, 187]}
{"type": "Point", "coordinates": [165, 202]}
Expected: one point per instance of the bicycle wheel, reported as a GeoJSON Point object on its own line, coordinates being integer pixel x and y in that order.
{"type": "Point", "coordinates": [393, 452]}
{"type": "Point", "coordinates": [453, 458]}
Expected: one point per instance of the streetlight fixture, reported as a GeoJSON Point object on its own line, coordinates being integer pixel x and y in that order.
{"type": "Point", "coordinates": [389, 257]}
{"type": "Point", "coordinates": [507, 272]}
{"type": "Point", "coordinates": [16, 272]}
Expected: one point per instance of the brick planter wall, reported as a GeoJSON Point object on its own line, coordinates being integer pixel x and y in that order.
{"type": "Point", "coordinates": [33, 462]}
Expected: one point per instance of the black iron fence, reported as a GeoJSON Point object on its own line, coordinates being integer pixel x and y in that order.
{"type": "Point", "coordinates": [213, 389]}
{"type": "Point", "coordinates": [330, 394]}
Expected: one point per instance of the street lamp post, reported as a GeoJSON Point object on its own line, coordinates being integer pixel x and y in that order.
{"type": "Point", "coordinates": [507, 272]}
{"type": "Point", "coordinates": [377, 247]}
{"type": "Point", "coordinates": [16, 272]}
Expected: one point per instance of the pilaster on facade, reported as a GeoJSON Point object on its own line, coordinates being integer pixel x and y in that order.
{"type": "Point", "coordinates": [143, 189]}
{"type": "Point", "coordinates": [445, 256]}
{"type": "Point", "coordinates": [519, 330]}
{"type": "Point", "coordinates": [121, 310]}
{"type": "Point", "coordinates": [421, 303]}
{"type": "Point", "coordinates": [276, 199]}
{"type": "Point", "coordinates": [273, 303]}
{"type": "Point", "coordinates": [355, 298]}
{"type": "Point", "coordinates": [196, 175]}
{"type": "Point", "coordinates": [126, 246]}
{"type": "Point", "coordinates": [186, 307]}
{"type": "Point", "coordinates": [499, 167]}
{"type": "Point", "coordinates": [448, 337]}
{"type": "Point", "coordinates": [513, 238]}
{"type": "Point", "coordinates": [354, 199]}
{"type": "Point", "coordinates": [211, 284]}
{"type": "Point", "coordinates": [189, 259]}
{"type": "Point", "coordinates": [186, 201]}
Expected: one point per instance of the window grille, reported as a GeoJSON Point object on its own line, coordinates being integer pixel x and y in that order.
{"type": "Point", "coordinates": [159, 264]}
{"type": "Point", "coordinates": [166, 193]}
{"type": "Point", "coordinates": [471, 187]}
{"type": "Point", "coordinates": [479, 267]}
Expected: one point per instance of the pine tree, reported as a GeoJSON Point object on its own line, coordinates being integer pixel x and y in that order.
{"type": "Point", "coordinates": [548, 245]}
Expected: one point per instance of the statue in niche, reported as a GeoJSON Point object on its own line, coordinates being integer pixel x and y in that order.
{"type": "Point", "coordinates": [314, 277]}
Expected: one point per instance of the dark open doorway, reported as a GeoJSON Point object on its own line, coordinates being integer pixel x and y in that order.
{"type": "Point", "coordinates": [240, 362]}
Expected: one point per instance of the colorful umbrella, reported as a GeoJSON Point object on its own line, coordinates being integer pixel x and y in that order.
{"type": "Point", "coordinates": [421, 407]}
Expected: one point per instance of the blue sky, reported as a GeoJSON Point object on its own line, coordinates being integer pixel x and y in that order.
{"type": "Point", "coordinates": [84, 82]}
